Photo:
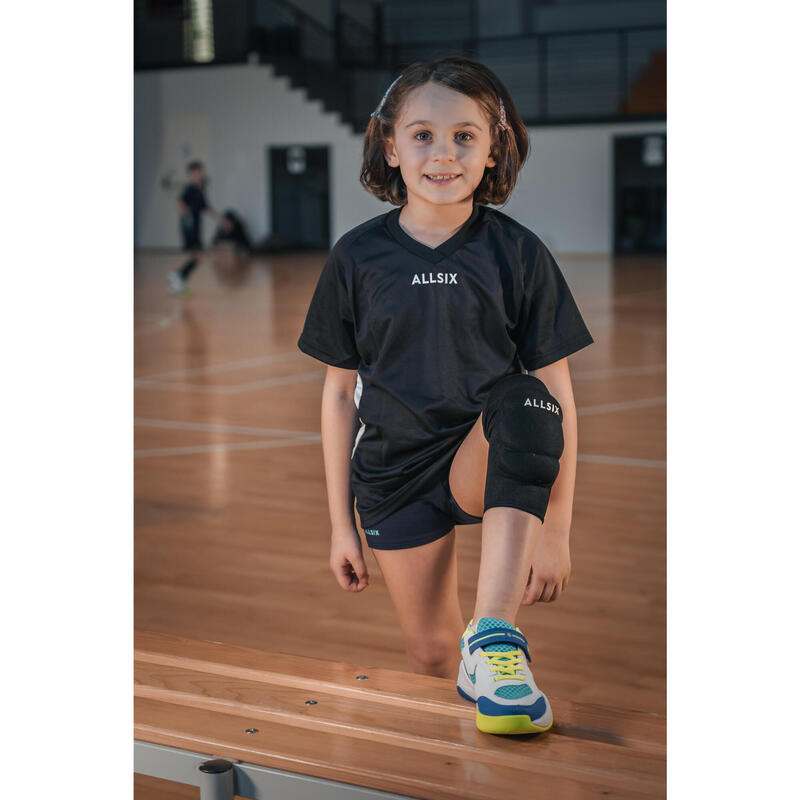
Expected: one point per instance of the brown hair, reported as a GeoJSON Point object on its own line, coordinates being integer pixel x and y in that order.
{"type": "Point", "coordinates": [468, 76]}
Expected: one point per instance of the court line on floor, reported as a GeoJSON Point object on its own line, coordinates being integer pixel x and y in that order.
{"type": "Point", "coordinates": [588, 306]}
{"type": "Point", "coordinates": [218, 427]}
{"type": "Point", "coordinates": [226, 446]}
{"type": "Point", "coordinates": [153, 381]}
{"type": "Point", "coordinates": [240, 388]}
{"type": "Point", "coordinates": [635, 296]}
{"type": "Point", "coordinates": [618, 372]}
{"type": "Point", "coordinates": [620, 461]}
{"type": "Point", "coordinates": [268, 383]}
{"type": "Point", "coordinates": [590, 458]}
{"type": "Point", "coordinates": [162, 324]}
{"type": "Point", "coordinates": [228, 366]}
{"type": "Point", "coordinates": [608, 408]}
{"type": "Point", "coordinates": [630, 405]}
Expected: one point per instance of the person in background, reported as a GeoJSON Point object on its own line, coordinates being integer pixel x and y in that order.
{"type": "Point", "coordinates": [191, 205]}
{"type": "Point", "coordinates": [231, 231]}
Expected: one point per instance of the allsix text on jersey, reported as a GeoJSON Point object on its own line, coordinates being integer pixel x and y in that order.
{"type": "Point", "coordinates": [434, 277]}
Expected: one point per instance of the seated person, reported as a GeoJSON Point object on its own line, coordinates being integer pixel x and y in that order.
{"type": "Point", "coordinates": [231, 231]}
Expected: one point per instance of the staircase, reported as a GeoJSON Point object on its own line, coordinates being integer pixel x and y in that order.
{"type": "Point", "coordinates": [648, 95]}
{"type": "Point", "coordinates": [556, 74]}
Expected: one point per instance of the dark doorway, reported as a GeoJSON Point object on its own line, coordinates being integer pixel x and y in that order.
{"type": "Point", "coordinates": [300, 199]}
{"type": "Point", "coordinates": [640, 194]}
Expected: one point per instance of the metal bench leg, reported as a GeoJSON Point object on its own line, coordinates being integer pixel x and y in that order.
{"type": "Point", "coordinates": [216, 780]}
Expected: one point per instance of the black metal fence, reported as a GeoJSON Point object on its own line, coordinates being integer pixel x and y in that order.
{"type": "Point", "coordinates": [344, 58]}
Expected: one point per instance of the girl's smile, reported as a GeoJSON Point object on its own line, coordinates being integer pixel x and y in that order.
{"type": "Point", "coordinates": [443, 179]}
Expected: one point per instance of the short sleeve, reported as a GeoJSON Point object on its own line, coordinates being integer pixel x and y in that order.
{"type": "Point", "coordinates": [550, 326]}
{"type": "Point", "coordinates": [328, 334]}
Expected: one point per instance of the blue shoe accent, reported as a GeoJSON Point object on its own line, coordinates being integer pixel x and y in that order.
{"type": "Point", "coordinates": [484, 623]}
{"type": "Point", "coordinates": [492, 709]}
{"type": "Point", "coordinates": [465, 695]}
{"type": "Point", "coordinates": [496, 636]}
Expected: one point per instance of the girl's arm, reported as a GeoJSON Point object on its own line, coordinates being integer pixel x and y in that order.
{"type": "Point", "coordinates": [551, 565]}
{"type": "Point", "coordinates": [339, 424]}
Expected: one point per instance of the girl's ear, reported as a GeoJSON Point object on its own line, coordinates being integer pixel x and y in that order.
{"type": "Point", "coordinates": [490, 162]}
{"type": "Point", "coordinates": [390, 154]}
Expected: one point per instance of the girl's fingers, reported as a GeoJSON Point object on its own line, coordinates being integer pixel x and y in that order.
{"type": "Point", "coordinates": [527, 595]}
{"type": "Point", "coordinates": [359, 576]}
{"type": "Point", "coordinates": [556, 593]}
{"type": "Point", "coordinates": [347, 577]}
{"type": "Point", "coordinates": [342, 575]}
{"type": "Point", "coordinates": [527, 599]}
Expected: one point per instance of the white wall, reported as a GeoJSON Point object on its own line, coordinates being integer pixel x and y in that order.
{"type": "Point", "coordinates": [227, 116]}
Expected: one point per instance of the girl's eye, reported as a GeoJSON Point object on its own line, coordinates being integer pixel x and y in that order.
{"type": "Point", "coordinates": [426, 133]}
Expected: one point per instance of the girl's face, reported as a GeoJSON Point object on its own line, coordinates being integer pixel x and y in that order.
{"type": "Point", "coordinates": [440, 132]}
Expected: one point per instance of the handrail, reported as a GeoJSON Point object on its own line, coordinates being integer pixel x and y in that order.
{"type": "Point", "coordinates": [335, 64]}
{"type": "Point", "coordinates": [296, 12]}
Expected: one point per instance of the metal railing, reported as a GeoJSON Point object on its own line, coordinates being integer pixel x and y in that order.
{"type": "Point", "coordinates": [343, 60]}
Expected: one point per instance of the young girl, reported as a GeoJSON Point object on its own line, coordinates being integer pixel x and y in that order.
{"type": "Point", "coordinates": [448, 324]}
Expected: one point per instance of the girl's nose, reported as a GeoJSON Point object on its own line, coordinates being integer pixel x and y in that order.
{"type": "Point", "coordinates": [445, 150]}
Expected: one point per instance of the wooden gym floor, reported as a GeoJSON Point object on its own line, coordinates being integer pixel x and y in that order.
{"type": "Point", "coordinates": [231, 521]}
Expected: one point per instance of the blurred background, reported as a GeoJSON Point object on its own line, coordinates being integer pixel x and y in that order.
{"type": "Point", "coordinates": [272, 96]}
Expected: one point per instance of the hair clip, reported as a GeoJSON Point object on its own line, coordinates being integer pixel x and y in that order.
{"type": "Point", "coordinates": [502, 123]}
{"type": "Point", "coordinates": [385, 95]}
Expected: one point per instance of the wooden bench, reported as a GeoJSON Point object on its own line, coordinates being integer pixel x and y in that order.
{"type": "Point", "coordinates": [300, 727]}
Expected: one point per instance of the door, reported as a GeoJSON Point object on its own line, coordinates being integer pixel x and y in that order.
{"type": "Point", "coordinates": [300, 197]}
{"type": "Point", "coordinates": [640, 194]}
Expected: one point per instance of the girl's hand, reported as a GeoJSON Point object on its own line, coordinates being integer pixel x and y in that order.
{"type": "Point", "coordinates": [549, 574]}
{"type": "Point", "coordinates": [347, 562]}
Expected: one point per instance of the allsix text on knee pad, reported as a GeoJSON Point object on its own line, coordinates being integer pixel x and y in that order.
{"type": "Point", "coordinates": [547, 406]}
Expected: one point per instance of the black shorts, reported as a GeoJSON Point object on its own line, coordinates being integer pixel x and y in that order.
{"type": "Point", "coordinates": [190, 233]}
{"type": "Point", "coordinates": [424, 520]}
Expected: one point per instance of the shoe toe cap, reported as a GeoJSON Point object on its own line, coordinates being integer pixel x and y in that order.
{"type": "Point", "coordinates": [537, 709]}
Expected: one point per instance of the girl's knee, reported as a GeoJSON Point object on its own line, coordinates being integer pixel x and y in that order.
{"type": "Point", "coordinates": [433, 654]}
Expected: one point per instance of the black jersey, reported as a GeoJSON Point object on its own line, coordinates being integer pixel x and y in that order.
{"type": "Point", "coordinates": [430, 330]}
{"type": "Point", "coordinates": [194, 197]}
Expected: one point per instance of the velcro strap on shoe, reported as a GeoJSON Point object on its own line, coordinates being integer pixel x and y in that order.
{"type": "Point", "coordinates": [498, 636]}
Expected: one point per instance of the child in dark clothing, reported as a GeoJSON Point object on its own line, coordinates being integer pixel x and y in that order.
{"type": "Point", "coordinates": [191, 204]}
{"type": "Point", "coordinates": [446, 325]}
{"type": "Point", "coordinates": [231, 231]}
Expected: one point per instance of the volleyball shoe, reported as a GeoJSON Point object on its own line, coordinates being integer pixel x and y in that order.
{"type": "Point", "coordinates": [494, 674]}
{"type": "Point", "coordinates": [177, 284]}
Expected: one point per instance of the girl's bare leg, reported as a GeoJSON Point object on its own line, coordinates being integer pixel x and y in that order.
{"type": "Point", "coordinates": [423, 584]}
{"type": "Point", "coordinates": [508, 535]}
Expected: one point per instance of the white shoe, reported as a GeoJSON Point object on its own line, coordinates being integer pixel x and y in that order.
{"type": "Point", "coordinates": [494, 674]}
{"type": "Point", "coordinates": [177, 285]}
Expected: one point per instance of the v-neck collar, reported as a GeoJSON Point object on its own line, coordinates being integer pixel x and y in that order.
{"type": "Point", "coordinates": [433, 254]}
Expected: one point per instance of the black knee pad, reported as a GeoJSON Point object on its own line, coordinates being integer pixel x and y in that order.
{"type": "Point", "coordinates": [522, 422]}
